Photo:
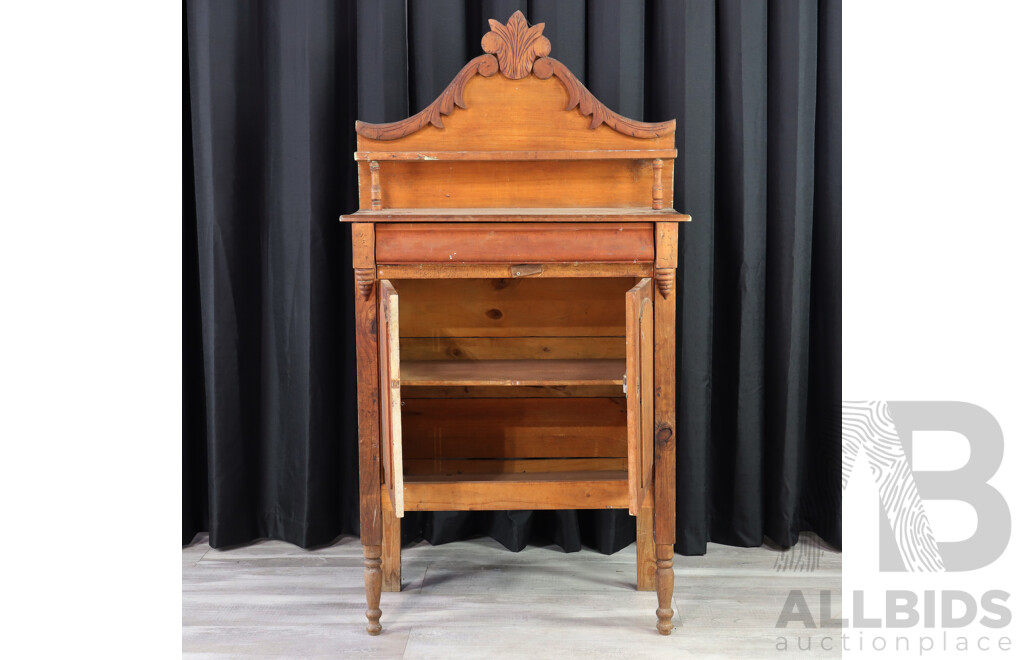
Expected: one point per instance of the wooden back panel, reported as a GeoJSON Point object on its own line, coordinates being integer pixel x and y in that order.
{"type": "Point", "coordinates": [523, 308]}
{"type": "Point", "coordinates": [507, 429]}
{"type": "Point", "coordinates": [497, 184]}
{"type": "Point", "coordinates": [480, 435]}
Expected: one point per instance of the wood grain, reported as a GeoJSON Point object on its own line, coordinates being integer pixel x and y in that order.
{"type": "Point", "coordinates": [512, 348]}
{"type": "Point", "coordinates": [391, 548]}
{"type": "Point", "coordinates": [363, 245]}
{"type": "Point", "coordinates": [514, 428]}
{"type": "Point", "coordinates": [513, 271]}
{"type": "Point", "coordinates": [657, 189]}
{"type": "Point", "coordinates": [511, 391]}
{"type": "Point", "coordinates": [575, 154]}
{"type": "Point", "coordinates": [502, 184]}
{"type": "Point", "coordinates": [519, 243]}
{"type": "Point", "coordinates": [665, 399]}
{"type": "Point", "coordinates": [639, 390]}
{"type": "Point", "coordinates": [512, 465]}
{"type": "Point", "coordinates": [452, 96]}
{"type": "Point", "coordinates": [511, 229]}
{"type": "Point", "coordinates": [580, 97]}
{"type": "Point", "coordinates": [513, 307]}
{"type": "Point", "coordinates": [527, 114]}
{"type": "Point", "coordinates": [519, 214]}
{"type": "Point", "coordinates": [368, 412]}
{"type": "Point", "coordinates": [516, 45]}
{"type": "Point", "coordinates": [372, 581]}
{"type": "Point", "coordinates": [390, 394]}
{"type": "Point", "coordinates": [497, 492]}
{"type": "Point", "coordinates": [512, 372]}
{"type": "Point", "coordinates": [375, 187]}
{"type": "Point", "coordinates": [664, 579]}
{"type": "Point", "coordinates": [645, 559]}
{"type": "Point", "coordinates": [667, 236]}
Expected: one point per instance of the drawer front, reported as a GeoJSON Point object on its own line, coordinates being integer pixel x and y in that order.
{"type": "Point", "coordinates": [527, 242]}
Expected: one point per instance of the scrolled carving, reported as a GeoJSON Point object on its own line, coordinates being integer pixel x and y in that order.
{"type": "Point", "coordinates": [517, 49]}
{"type": "Point", "coordinates": [485, 65]}
{"type": "Point", "coordinates": [365, 278]}
{"type": "Point", "coordinates": [665, 278]}
{"type": "Point", "coordinates": [599, 114]}
{"type": "Point", "coordinates": [516, 45]}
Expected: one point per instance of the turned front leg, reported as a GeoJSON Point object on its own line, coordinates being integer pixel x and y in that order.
{"type": "Point", "coordinates": [664, 580]}
{"type": "Point", "coordinates": [367, 380]}
{"type": "Point", "coordinates": [665, 262]}
{"type": "Point", "coordinates": [372, 576]}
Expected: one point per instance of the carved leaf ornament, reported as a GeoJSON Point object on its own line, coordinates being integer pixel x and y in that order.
{"type": "Point", "coordinates": [517, 50]}
{"type": "Point", "coordinates": [516, 45]}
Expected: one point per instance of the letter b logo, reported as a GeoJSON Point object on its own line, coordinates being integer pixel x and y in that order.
{"type": "Point", "coordinates": [883, 430]}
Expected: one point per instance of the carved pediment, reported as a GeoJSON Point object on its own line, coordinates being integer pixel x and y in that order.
{"type": "Point", "coordinates": [517, 50]}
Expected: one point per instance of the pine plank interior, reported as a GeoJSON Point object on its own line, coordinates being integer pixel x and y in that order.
{"type": "Point", "coordinates": [511, 307]}
{"type": "Point", "coordinates": [501, 491]}
{"type": "Point", "coordinates": [512, 372]}
{"type": "Point", "coordinates": [513, 428]}
{"type": "Point", "coordinates": [527, 478]}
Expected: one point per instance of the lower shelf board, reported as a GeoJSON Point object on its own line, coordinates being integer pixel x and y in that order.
{"type": "Point", "coordinates": [495, 492]}
{"type": "Point", "coordinates": [512, 372]}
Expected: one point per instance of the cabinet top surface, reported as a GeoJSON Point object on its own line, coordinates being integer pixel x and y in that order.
{"type": "Point", "coordinates": [636, 214]}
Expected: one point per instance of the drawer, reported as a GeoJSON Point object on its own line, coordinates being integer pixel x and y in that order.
{"type": "Point", "coordinates": [520, 242]}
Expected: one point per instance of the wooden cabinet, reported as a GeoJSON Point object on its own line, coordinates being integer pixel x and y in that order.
{"type": "Point", "coordinates": [515, 254]}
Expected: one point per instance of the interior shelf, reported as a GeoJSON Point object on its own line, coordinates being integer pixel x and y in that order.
{"type": "Point", "coordinates": [524, 477]}
{"type": "Point", "coordinates": [512, 372]}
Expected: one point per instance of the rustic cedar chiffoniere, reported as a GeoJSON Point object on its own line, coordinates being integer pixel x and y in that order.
{"type": "Point", "coordinates": [515, 263]}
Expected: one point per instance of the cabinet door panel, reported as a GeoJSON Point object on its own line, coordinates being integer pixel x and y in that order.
{"type": "Point", "coordinates": [639, 391]}
{"type": "Point", "coordinates": [390, 395]}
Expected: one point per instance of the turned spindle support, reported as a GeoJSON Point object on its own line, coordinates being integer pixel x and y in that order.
{"type": "Point", "coordinates": [375, 202]}
{"type": "Point", "coordinates": [372, 576]}
{"type": "Point", "coordinates": [664, 580]}
{"type": "Point", "coordinates": [658, 190]}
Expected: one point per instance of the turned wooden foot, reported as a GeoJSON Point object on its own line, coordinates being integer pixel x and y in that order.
{"type": "Point", "coordinates": [664, 580]}
{"type": "Point", "coordinates": [372, 577]}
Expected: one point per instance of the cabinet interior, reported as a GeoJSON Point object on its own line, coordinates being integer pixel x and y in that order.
{"type": "Point", "coordinates": [505, 377]}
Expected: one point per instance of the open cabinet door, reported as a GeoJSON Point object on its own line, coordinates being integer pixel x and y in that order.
{"type": "Point", "coordinates": [390, 396]}
{"type": "Point", "coordinates": [639, 391]}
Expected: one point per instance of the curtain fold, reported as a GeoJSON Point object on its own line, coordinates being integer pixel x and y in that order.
{"type": "Point", "coordinates": [273, 89]}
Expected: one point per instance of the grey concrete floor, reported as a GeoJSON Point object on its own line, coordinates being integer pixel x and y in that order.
{"type": "Point", "coordinates": [474, 599]}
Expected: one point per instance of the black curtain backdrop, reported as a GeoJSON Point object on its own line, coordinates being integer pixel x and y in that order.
{"type": "Point", "coordinates": [271, 93]}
